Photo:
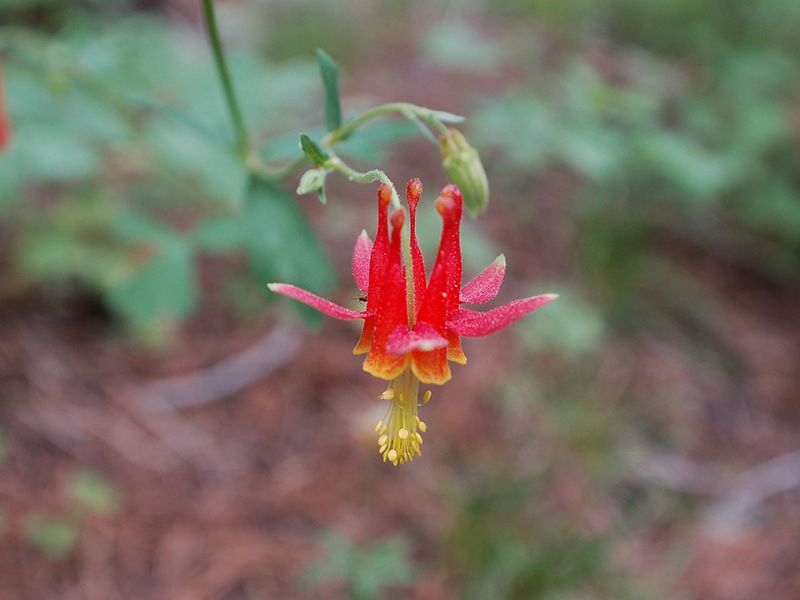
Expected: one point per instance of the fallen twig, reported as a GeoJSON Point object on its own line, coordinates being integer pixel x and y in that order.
{"type": "Point", "coordinates": [748, 490]}
{"type": "Point", "coordinates": [225, 378]}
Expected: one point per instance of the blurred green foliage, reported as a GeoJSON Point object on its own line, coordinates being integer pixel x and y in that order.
{"type": "Point", "coordinates": [367, 570]}
{"type": "Point", "coordinates": [88, 494]}
{"type": "Point", "coordinates": [121, 169]}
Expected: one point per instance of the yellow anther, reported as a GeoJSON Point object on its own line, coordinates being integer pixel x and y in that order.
{"type": "Point", "coordinates": [387, 394]}
{"type": "Point", "coordinates": [382, 440]}
{"type": "Point", "coordinates": [392, 455]}
{"type": "Point", "coordinates": [426, 397]}
{"type": "Point", "coordinates": [419, 437]}
{"type": "Point", "coordinates": [382, 449]}
{"type": "Point", "coordinates": [383, 429]}
{"type": "Point", "coordinates": [378, 426]}
{"type": "Point", "coordinates": [422, 427]}
{"type": "Point", "coordinates": [403, 434]}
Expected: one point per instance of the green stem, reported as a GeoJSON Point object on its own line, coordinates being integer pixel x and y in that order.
{"type": "Point", "coordinates": [420, 112]}
{"type": "Point", "coordinates": [337, 164]}
{"type": "Point", "coordinates": [240, 131]}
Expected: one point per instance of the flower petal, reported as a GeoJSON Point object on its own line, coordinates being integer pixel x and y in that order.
{"type": "Point", "coordinates": [454, 351]}
{"type": "Point", "coordinates": [471, 323]}
{"type": "Point", "coordinates": [422, 337]}
{"type": "Point", "coordinates": [486, 284]}
{"type": "Point", "coordinates": [378, 259]}
{"type": "Point", "coordinates": [321, 304]}
{"type": "Point", "coordinates": [360, 263]}
{"type": "Point", "coordinates": [391, 310]}
{"type": "Point", "coordinates": [413, 193]}
{"type": "Point", "coordinates": [431, 367]}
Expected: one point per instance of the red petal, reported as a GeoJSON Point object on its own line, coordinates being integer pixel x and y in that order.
{"type": "Point", "coordinates": [413, 193]}
{"type": "Point", "coordinates": [378, 259]}
{"type": "Point", "coordinates": [486, 284]}
{"type": "Point", "coordinates": [450, 206]}
{"type": "Point", "coordinates": [472, 323]}
{"type": "Point", "coordinates": [321, 304]}
{"type": "Point", "coordinates": [431, 367]}
{"type": "Point", "coordinates": [422, 338]}
{"type": "Point", "coordinates": [391, 312]}
{"type": "Point", "coordinates": [454, 351]}
{"type": "Point", "coordinates": [360, 263]}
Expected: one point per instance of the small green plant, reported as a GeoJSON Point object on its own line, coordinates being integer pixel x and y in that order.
{"type": "Point", "coordinates": [88, 494]}
{"type": "Point", "coordinates": [367, 571]}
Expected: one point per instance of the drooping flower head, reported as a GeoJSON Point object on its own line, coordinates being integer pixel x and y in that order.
{"type": "Point", "coordinates": [413, 324]}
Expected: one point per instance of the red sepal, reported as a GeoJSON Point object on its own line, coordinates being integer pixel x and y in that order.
{"type": "Point", "coordinates": [471, 323]}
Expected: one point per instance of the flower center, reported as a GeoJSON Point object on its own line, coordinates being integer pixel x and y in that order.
{"type": "Point", "coordinates": [400, 431]}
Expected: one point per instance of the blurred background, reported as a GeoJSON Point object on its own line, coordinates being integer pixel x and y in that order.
{"type": "Point", "coordinates": [169, 431]}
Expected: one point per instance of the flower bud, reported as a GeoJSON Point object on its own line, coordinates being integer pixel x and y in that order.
{"type": "Point", "coordinates": [464, 168]}
{"type": "Point", "coordinates": [313, 180]}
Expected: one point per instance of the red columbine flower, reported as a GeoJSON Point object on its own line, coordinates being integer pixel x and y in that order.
{"type": "Point", "coordinates": [413, 328]}
{"type": "Point", "coordinates": [5, 126]}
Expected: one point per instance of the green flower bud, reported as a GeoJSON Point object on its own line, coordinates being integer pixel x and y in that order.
{"type": "Point", "coordinates": [313, 180]}
{"type": "Point", "coordinates": [464, 168]}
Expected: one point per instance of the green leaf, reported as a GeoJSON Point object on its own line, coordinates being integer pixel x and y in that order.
{"type": "Point", "coordinates": [280, 244]}
{"type": "Point", "coordinates": [330, 79]}
{"type": "Point", "coordinates": [312, 150]}
{"type": "Point", "coordinates": [219, 234]}
{"type": "Point", "coordinates": [160, 291]}
{"type": "Point", "coordinates": [176, 116]}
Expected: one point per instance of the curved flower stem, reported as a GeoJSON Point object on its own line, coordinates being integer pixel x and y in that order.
{"type": "Point", "coordinates": [337, 164]}
{"type": "Point", "coordinates": [239, 129]}
{"type": "Point", "coordinates": [406, 108]}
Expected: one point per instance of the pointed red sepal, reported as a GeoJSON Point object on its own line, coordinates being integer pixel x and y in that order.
{"type": "Point", "coordinates": [360, 264]}
{"type": "Point", "coordinates": [422, 338]}
{"type": "Point", "coordinates": [471, 323]}
{"type": "Point", "coordinates": [321, 304]}
{"type": "Point", "coordinates": [486, 284]}
{"type": "Point", "coordinates": [413, 193]}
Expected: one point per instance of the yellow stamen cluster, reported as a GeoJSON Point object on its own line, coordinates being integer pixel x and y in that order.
{"type": "Point", "coordinates": [400, 431]}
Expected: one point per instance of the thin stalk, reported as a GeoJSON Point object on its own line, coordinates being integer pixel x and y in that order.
{"type": "Point", "coordinates": [337, 164]}
{"type": "Point", "coordinates": [404, 108]}
{"type": "Point", "coordinates": [239, 129]}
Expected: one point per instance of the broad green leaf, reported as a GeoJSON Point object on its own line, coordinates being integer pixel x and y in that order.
{"type": "Point", "coordinates": [279, 242]}
{"type": "Point", "coordinates": [221, 234]}
{"type": "Point", "coordinates": [330, 79]}
{"type": "Point", "coordinates": [176, 116]}
{"type": "Point", "coordinates": [312, 150]}
{"type": "Point", "coordinates": [160, 291]}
